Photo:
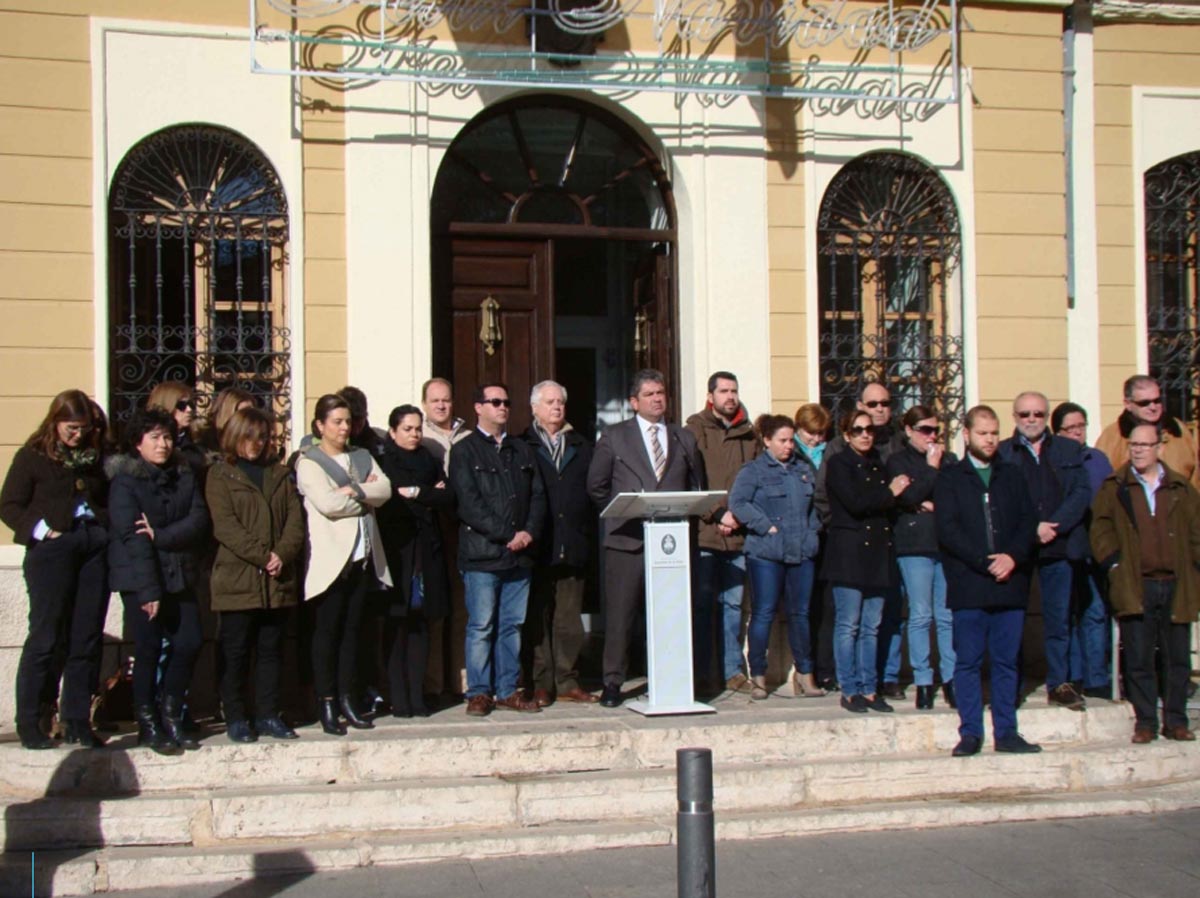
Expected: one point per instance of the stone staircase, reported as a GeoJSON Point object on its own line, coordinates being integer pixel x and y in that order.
{"type": "Point", "coordinates": [570, 779]}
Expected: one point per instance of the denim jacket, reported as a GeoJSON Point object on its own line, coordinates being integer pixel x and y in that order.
{"type": "Point", "coordinates": [769, 493]}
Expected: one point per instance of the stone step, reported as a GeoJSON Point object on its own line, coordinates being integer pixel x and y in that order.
{"type": "Point", "coordinates": [564, 739]}
{"type": "Point", "coordinates": [224, 815]}
{"type": "Point", "coordinates": [118, 869]}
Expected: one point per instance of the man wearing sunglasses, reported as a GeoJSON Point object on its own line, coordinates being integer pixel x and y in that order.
{"type": "Point", "coordinates": [501, 511]}
{"type": "Point", "coordinates": [1058, 483]}
{"type": "Point", "coordinates": [1144, 405]}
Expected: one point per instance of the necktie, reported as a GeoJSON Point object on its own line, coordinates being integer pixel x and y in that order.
{"type": "Point", "coordinates": [656, 449]}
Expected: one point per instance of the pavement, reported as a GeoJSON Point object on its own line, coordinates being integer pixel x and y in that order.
{"type": "Point", "coordinates": [1112, 857]}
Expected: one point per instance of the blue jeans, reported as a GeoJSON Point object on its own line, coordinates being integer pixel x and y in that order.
{"type": "Point", "coordinates": [496, 603]}
{"type": "Point", "coordinates": [720, 579]}
{"type": "Point", "coordinates": [891, 624]}
{"type": "Point", "coordinates": [1090, 635]}
{"type": "Point", "coordinates": [795, 581]}
{"type": "Point", "coordinates": [855, 638]}
{"type": "Point", "coordinates": [925, 583]}
{"type": "Point", "coordinates": [997, 632]}
{"type": "Point", "coordinates": [1055, 580]}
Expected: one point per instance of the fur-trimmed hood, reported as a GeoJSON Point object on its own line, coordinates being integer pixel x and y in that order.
{"type": "Point", "coordinates": [1127, 422]}
{"type": "Point", "coordinates": [136, 466]}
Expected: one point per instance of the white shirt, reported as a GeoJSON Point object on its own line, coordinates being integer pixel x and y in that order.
{"type": "Point", "coordinates": [1149, 487]}
{"type": "Point", "coordinates": [645, 426]}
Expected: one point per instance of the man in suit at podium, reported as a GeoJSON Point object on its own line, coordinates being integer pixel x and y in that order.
{"type": "Point", "coordinates": [642, 454]}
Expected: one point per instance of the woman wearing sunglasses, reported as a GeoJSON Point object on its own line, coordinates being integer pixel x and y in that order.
{"type": "Point", "coordinates": [917, 552]}
{"type": "Point", "coordinates": [178, 400]}
{"type": "Point", "coordinates": [859, 558]}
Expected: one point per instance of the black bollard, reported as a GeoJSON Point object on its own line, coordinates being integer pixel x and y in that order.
{"type": "Point", "coordinates": [696, 869]}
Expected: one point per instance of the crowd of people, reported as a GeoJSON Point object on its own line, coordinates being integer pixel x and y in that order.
{"type": "Point", "coordinates": [433, 558]}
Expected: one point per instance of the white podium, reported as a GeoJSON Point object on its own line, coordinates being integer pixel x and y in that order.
{"type": "Point", "coordinates": [668, 565]}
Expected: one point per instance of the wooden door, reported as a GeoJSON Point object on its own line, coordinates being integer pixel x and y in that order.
{"type": "Point", "coordinates": [654, 321]}
{"type": "Point", "coordinates": [503, 320]}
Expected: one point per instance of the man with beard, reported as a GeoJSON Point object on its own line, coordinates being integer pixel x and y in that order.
{"type": "Point", "coordinates": [987, 530]}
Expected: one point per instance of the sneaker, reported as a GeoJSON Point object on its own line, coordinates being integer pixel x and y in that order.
{"type": "Point", "coordinates": [739, 682]}
{"type": "Point", "coordinates": [1065, 696]}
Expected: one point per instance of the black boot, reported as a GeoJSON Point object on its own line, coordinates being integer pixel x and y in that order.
{"type": "Point", "coordinates": [32, 737]}
{"type": "Point", "coordinates": [80, 732]}
{"type": "Point", "coordinates": [327, 711]}
{"type": "Point", "coordinates": [352, 718]}
{"type": "Point", "coordinates": [172, 719]}
{"type": "Point", "coordinates": [150, 731]}
{"type": "Point", "coordinates": [924, 698]}
{"type": "Point", "coordinates": [948, 694]}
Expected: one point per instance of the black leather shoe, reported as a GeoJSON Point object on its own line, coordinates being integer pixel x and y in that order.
{"type": "Point", "coordinates": [1016, 745]}
{"type": "Point", "coordinates": [172, 722]}
{"type": "Point", "coordinates": [80, 732]}
{"type": "Point", "coordinates": [352, 716]}
{"type": "Point", "coordinates": [924, 698]}
{"type": "Point", "coordinates": [240, 731]}
{"type": "Point", "coordinates": [274, 727]}
{"type": "Point", "coordinates": [854, 703]}
{"type": "Point", "coordinates": [948, 694]}
{"type": "Point", "coordinates": [328, 714]}
{"type": "Point", "coordinates": [32, 737]}
{"type": "Point", "coordinates": [611, 696]}
{"type": "Point", "coordinates": [150, 732]}
{"type": "Point", "coordinates": [1104, 692]}
{"type": "Point", "coordinates": [878, 704]}
{"type": "Point", "coordinates": [892, 690]}
{"type": "Point", "coordinates": [967, 746]}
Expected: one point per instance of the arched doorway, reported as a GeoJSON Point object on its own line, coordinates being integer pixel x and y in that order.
{"type": "Point", "coordinates": [553, 235]}
{"type": "Point", "coordinates": [888, 244]}
{"type": "Point", "coordinates": [198, 259]}
{"type": "Point", "coordinates": [1172, 197]}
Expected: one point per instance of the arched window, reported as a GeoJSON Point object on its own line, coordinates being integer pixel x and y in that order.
{"type": "Point", "coordinates": [198, 255]}
{"type": "Point", "coordinates": [1172, 196]}
{"type": "Point", "coordinates": [888, 243]}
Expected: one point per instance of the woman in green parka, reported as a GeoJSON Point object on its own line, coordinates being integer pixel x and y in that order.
{"type": "Point", "coordinates": [258, 523]}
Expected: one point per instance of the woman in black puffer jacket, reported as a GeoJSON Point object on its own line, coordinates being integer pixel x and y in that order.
{"type": "Point", "coordinates": [159, 528]}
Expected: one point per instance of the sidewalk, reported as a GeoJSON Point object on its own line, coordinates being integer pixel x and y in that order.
{"type": "Point", "coordinates": [1103, 858]}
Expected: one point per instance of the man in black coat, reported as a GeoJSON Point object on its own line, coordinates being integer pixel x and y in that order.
{"type": "Point", "coordinates": [643, 454]}
{"type": "Point", "coordinates": [553, 634]}
{"type": "Point", "coordinates": [501, 510]}
{"type": "Point", "coordinates": [1061, 494]}
{"type": "Point", "coordinates": [987, 529]}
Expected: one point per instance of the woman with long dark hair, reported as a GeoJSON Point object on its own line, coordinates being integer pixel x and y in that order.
{"type": "Point", "coordinates": [342, 487]}
{"type": "Point", "coordinates": [159, 529]}
{"type": "Point", "coordinates": [259, 528]}
{"type": "Point", "coordinates": [413, 544]}
{"type": "Point", "coordinates": [55, 499]}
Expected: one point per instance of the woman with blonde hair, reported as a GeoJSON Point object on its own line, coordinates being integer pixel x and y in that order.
{"type": "Point", "coordinates": [178, 400]}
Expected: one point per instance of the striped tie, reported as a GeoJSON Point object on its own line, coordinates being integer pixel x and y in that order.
{"type": "Point", "coordinates": [660, 457]}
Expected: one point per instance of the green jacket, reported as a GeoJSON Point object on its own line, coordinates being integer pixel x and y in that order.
{"type": "Point", "coordinates": [1115, 545]}
{"type": "Point", "coordinates": [248, 526]}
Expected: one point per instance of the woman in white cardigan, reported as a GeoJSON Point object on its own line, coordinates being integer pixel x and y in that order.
{"type": "Point", "coordinates": [342, 487]}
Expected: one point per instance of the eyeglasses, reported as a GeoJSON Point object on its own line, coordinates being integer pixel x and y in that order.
{"type": "Point", "coordinates": [1142, 403]}
{"type": "Point", "coordinates": [858, 430]}
{"type": "Point", "coordinates": [927, 430]}
{"type": "Point", "coordinates": [1073, 428]}
{"type": "Point", "coordinates": [497, 403]}
{"type": "Point", "coordinates": [1031, 414]}
{"type": "Point", "coordinates": [184, 404]}
{"type": "Point", "coordinates": [77, 429]}
{"type": "Point", "coordinates": [1133, 446]}
{"type": "Point", "coordinates": [879, 403]}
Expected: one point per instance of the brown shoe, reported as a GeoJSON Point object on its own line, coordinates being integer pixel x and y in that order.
{"type": "Point", "coordinates": [1179, 733]}
{"type": "Point", "coordinates": [542, 698]}
{"type": "Point", "coordinates": [1143, 735]}
{"type": "Point", "coordinates": [479, 706]}
{"type": "Point", "coordinates": [581, 696]}
{"type": "Point", "coordinates": [1065, 696]}
{"type": "Point", "coordinates": [515, 702]}
{"type": "Point", "coordinates": [739, 682]}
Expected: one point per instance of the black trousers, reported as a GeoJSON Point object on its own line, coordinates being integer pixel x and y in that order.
{"type": "Point", "coordinates": [552, 636]}
{"type": "Point", "coordinates": [1142, 636]}
{"type": "Point", "coordinates": [822, 616]}
{"type": "Point", "coordinates": [67, 581]}
{"type": "Point", "coordinates": [260, 630]}
{"type": "Point", "coordinates": [178, 622]}
{"type": "Point", "coordinates": [337, 617]}
{"type": "Point", "coordinates": [624, 583]}
{"type": "Point", "coordinates": [408, 658]}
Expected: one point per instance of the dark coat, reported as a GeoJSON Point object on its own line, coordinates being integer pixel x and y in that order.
{"type": "Point", "coordinates": [970, 529]}
{"type": "Point", "coordinates": [171, 500]}
{"type": "Point", "coordinates": [248, 525]}
{"type": "Point", "coordinates": [499, 492]}
{"type": "Point", "coordinates": [622, 465]}
{"type": "Point", "coordinates": [769, 493]}
{"type": "Point", "coordinates": [412, 539]}
{"type": "Point", "coordinates": [1066, 462]}
{"type": "Point", "coordinates": [1117, 545]}
{"type": "Point", "coordinates": [570, 531]}
{"type": "Point", "coordinates": [914, 530]}
{"type": "Point", "coordinates": [39, 488]}
{"type": "Point", "coordinates": [859, 551]}
{"type": "Point", "coordinates": [888, 439]}
{"type": "Point", "coordinates": [724, 450]}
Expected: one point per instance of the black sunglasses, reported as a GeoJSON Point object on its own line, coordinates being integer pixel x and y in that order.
{"type": "Point", "coordinates": [1037, 414]}
{"type": "Point", "coordinates": [927, 430]}
{"type": "Point", "coordinates": [858, 430]}
{"type": "Point", "coordinates": [497, 403]}
{"type": "Point", "coordinates": [1142, 403]}
{"type": "Point", "coordinates": [879, 403]}
{"type": "Point", "coordinates": [184, 404]}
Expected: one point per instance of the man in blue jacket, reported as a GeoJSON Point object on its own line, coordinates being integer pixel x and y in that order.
{"type": "Point", "coordinates": [987, 530]}
{"type": "Point", "coordinates": [1058, 484]}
